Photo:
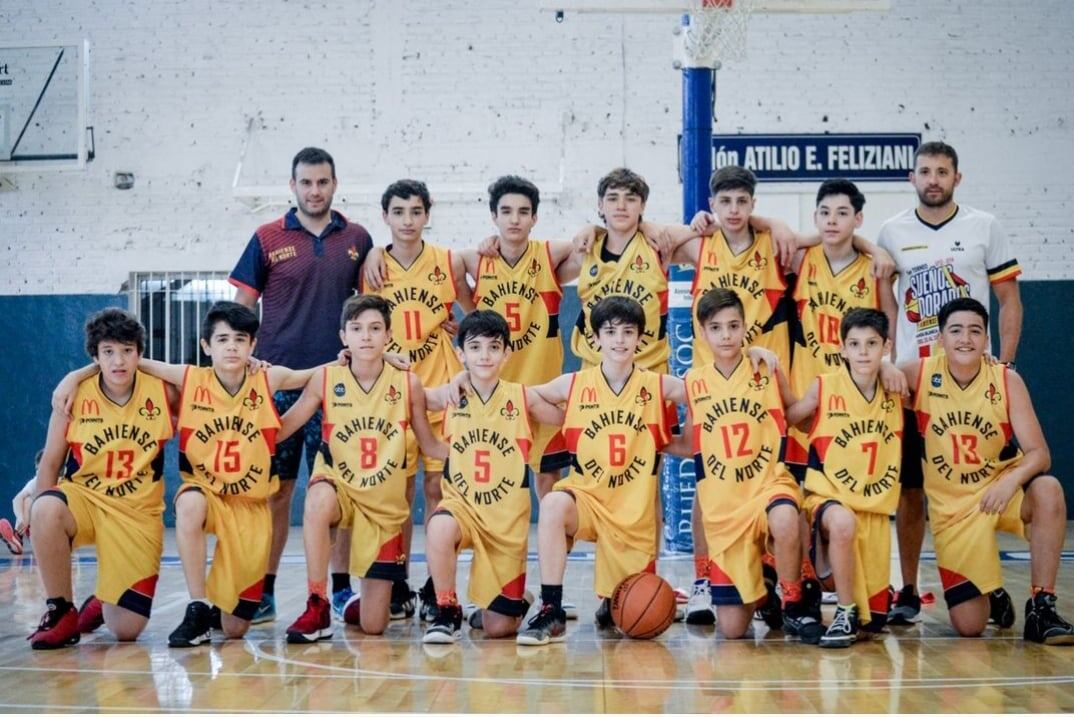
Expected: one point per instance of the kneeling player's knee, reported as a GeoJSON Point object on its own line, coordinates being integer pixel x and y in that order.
{"type": "Point", "coordinates": [372, 626]}
{"type": "Point", "coordinates": [48, 507]}
{"type": "Point", "coordinates": [189, 510]}
{"type": "Point", "coordinates": [126, 633]}
{"type": "Point", "coordinates": [1047, 495]}
{"type": "Point", "coordinates": [841, 525]}
{"type": "Point", "coordinates": [554, 506]}
{"type": "Point", "coordinates": [441, 527]}
{"type": "Point", "coordinates": [783, 524]}
{"type": "Point", "coordinates": [319, 499]}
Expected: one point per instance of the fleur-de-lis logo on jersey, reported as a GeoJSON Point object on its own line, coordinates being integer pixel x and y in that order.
{"type": "Point", "coordinates": [758, 382]}
{"type": "Point", "coordinates": [639, 265]}
{"type": "Point", "coordinates": [392, 396]}
{"type": "Point", "coordinates": [535, 268]}
{"type": "Point", "coordinates": [888, 404]}
{"type": "Point", "coordinates": [861, 289]}
{"type": "Point", "coordinates": [993, 395]}
{"type": "Point", "coordinates": [352, 253]}
{"type": "Point", "coordinates": [757, 261]}
{"type": "Point", "coordinates": [149, 410]}
{"type": "Point", "coordinates": [643, 396]}
{"type": "Point", "coordinates": [437, 275]}
{"type": "Point", "coordinates": [509, 411]}
{"type": "Point", "coordinates": [253, 400]}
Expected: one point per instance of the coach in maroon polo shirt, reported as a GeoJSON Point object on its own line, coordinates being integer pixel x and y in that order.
{"type": "Point", "coordinates": [302, 267]}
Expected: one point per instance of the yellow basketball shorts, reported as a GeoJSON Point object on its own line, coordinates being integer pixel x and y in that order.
{"type": "Point", "coordinates": [735, 574]}
{"type": "Point", "coordinates": [413, 453]}
{"type": "Point", "coordinates": [243, 530]}
{"type": "Point", "coordinates": [967, 552]}
{"type": "Point", "coordinates": [129, 544]}
{"type": "Point", "coordinates": [497, 576]}
{"type": "Point", "coordinates": [619, 554]}
{"type": "Point", "coordinates": [872, 559]}
{"type": "Point", "coordinates": [377, 551]}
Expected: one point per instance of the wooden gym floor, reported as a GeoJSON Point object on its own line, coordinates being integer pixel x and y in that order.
{"type": "Point", "coordinates": [924, 668]}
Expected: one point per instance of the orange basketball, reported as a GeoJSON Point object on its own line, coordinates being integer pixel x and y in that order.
{"type": "Point", "coordinates": [643, 606]}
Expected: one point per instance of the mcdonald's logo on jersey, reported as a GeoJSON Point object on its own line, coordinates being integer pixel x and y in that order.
{"type": "Point", "coordinates": [837, 404]}
{"type": "Point", "coordinates": [699, 388]}
{"type": "Point", "coordinates": [202, 395]}
{"type": "Point", "coordinates": [589, 397]}
{"type": "Point", "coordinates": [90, 407]}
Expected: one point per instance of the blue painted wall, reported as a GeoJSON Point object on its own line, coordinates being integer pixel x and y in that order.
{"type": "Point", "coordinates": [43, 337]}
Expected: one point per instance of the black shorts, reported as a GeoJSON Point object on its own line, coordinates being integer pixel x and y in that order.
{"type": "Point", "coordinates": [913, 452]}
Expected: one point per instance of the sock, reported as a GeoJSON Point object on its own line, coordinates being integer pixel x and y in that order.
{"type": "Point", "coordinates": [203, 601]}
{"type": "Point", "coordinates": [268, 586]}
{"type": "Point", "coordinates": [851, 606]}
{"type": "Point", "coordinates": [318, 587]}
{"type": "Point", "coordinates": [1036, 590]}
{"type": "Point", "coordinates": [447, 598]}
{"type": "Point", "coordinates": [59, 604]}
{"type": "Point", "coordinates": [552, 595]}
{"type": "Point", "coordinates": [792, 591]}
{"type": "Point", "coordinates": [808, 572]}
{"type": "Point", "coordinates": [701, 567]}
{"type": "Point", "coordinates": [341, 581]}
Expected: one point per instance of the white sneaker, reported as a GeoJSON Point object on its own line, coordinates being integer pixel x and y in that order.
{"type": "Point", "coordinates": [699, 609]}
{"type": "Point", "coordinates": [827, 598]}
{"type": "Point", "coordinates": [571, 609]}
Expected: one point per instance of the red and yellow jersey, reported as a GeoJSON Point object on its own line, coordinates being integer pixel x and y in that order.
{"type": "Point", "coordinates": [528, 296]}
{"type": "Point", "coordinates": [118, 451]}
{"type": "Point", "coordinates": [421, 296]}
{"type": "Point", "coordinates": [363, 440]}
{"type": "Point", "coordinates": [755, 275]}
{"type": "Point", "coordinates": [739, 435]}
{"type": "Point", "coordinates": [635, 274]}
{"type": "Point", "coordinates": [486, 470]}
{"type": "Point", "coordinates": [614, 439]}
{"type": "Point", "coordinates": [226, 442]}
{"type": "Point", "coordinates": [855, 445]}
{"type": "Point", "coordinates": [968, 437]}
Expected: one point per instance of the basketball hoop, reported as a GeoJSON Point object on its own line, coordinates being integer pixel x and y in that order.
{"type": "Point", "coordinates": [717, 31]}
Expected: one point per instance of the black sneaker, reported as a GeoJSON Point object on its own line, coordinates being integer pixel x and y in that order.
{"type": "Point", "coordinates": [402, 605]}
{"type": "Point", "coordinates": [771, 611]}
{"type": "Point", "coordinates": [1043, 623]}
{"type": "Point", "coordinates": [1000, 608]}
{"type": "Point", "coordinates": [604, 614]}
{"type": "Point", "coordinates": [195, 628]}
{"type": "Point", "coordinates": [427, 596]}
{"type": "Point", "coordinates": [906, 608]}
{"type": "Point", "coordinates": [812, 596]}
{"type": "Point", "coordinates": [843, 631]}
{"type": "Point", "coordinates": [215, 619]}
{"type": "Point", "coordinates": [549, 625]}
{"type": "Point", "coordinates": [797, 621]}
{"type": "Point", "coordinates": [446, 628]}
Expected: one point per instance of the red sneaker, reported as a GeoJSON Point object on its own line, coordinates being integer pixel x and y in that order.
{"type": "Point", "coordinates": [11, 539]}
{"type": "Point", "coordinates": [352, 612]}
{"type": "Point", "coordinates": [57, 629]}
{"type": "Point", "coordinates": [314, 624]}
{"type": "Point", "coordinates": [90, 615]}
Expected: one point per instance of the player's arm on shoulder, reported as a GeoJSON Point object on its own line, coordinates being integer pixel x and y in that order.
{"type": "Point", "coordinates": [1009, 297]}
{"type": "Point", "coordinates": [557, 390]}
{"type": "Point", "coordinates": [674, 388]}
{"type": "Point", "coordinates": [443, 397]}
{"type": "Point", "coordinates": [559, 251]}
{"type": "Point", "coordinates": [471, 262]}
{"type": "Point", "coordinates": [303, 409]}
{"type": "Point", "coordinates": [801, 412]}
{"type": "Point", "coordinates": [883, 264]}
{"type": "Point", "coordinates": [681, 444]}
{"type": "Point", "coordinates": [786, 393]}
{"type": "Point", "coordinates": [464, 295]}
{"type": "Point", "coordinates": [63, 396]}
{"type": "Point", "coordinates": [758, 355]}
{"type": "Point", "coordinates": [374, 270]}
{"type": "Point", "coordinates": [1036, 458]}
{"type": "Point", "coordinates": [911, 370]}
{"type": "Point", "coordinates": [169, 372]}
{"type": "Point", "coordinates": [281, 378]}
{"type": "Point", "coordinates": [542, 411]}
{"type": "Point", "coordinates": [785, 240]}
{"type": "Point", "coordinates": [48, 469]}
{"type": "Point", "coordinates": [429, 444]}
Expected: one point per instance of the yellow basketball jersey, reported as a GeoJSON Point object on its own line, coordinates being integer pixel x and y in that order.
{"type": "Point", "coordinates": [118, 451]}
{"type": "Point", "coordinates": [486, 469]}
{"type": "Point", "coordinates": [421, 296]}
{"type": "Point", "coordinates": [226, 442]}
{"type": "Point", "coordinates": [635, 274]}
{"type": "Point", "coordinates": [363, 440]}
{"type": "Point", "coordinates": [739, 434]}
{"type": "Point", "coordinates": [613, 440]}
{"type": "Point", "coordinates": [528, 296]}
{"type": "Point", "coordinates": [968, 437]}
{"type": "Point", "coordinates": [756, 277]}
{"type": "Point", "coordinates": [855, 445]}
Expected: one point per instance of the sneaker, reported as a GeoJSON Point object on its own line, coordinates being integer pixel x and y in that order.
{"type": "Point", "coordinates": [58, 628]}
{"type": "Point", "coordinates": [570, 610]}
{"type": "Point", "coordinates": [427, 597]}
{"type": "Point", "coordinates": [266, 611]}
{"type": "Point", "coordinates": [549, 625]}
{"type": "Point", "coordinates": [216, 618]}
{"type": "Point", "coordinates": [699, 609]}
{"type": "Point", "coordinates": [812, 598]}
{"type": "Point", "coordinates": [1043, 623]}
{"type": "Point", "coordinates": [352, 611]}
{"type": "Point", "coordinates": [1000, 608]}
{"type": "Point", "coordinates": [798, 622]}
{"type": "Point", "coordinates": [604, 614]}
{"type": "Point", "coordinates": [446, 628]}
{"type": "Point", "coordinates": [771, 611]}
{"type": "Point", "coordinates": [195, 627]}
{"type": "Point", "coordinates": [906, 608]}
{"type": "Point", "coordinates": [90, 615]}
{"type": "Point", "coordinates": [843, 631]}
{"type": "Point", "coordinates": [339, 601]}
{"type": "Point", "coordinates": [472, 614]}
{"type": "Point", "coordinates": [11, 538]}
{"type": "Point", "coordinates": [312, 625]}
{"type": "Point", "coordinates": [829, 598]}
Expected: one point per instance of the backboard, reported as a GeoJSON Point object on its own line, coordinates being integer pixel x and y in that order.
{"type": "Point", "coordinates": [43, 107]}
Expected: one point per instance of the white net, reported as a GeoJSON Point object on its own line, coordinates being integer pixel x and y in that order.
{"type": "Point", "coordinates": [717, 31]}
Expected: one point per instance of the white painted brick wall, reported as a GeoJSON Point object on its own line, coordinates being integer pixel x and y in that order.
{"type": "Point", "coordinates": [456, 92]}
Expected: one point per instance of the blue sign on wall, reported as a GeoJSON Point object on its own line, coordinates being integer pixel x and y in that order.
{"type": "Point", "coordinates": [816, 157]}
